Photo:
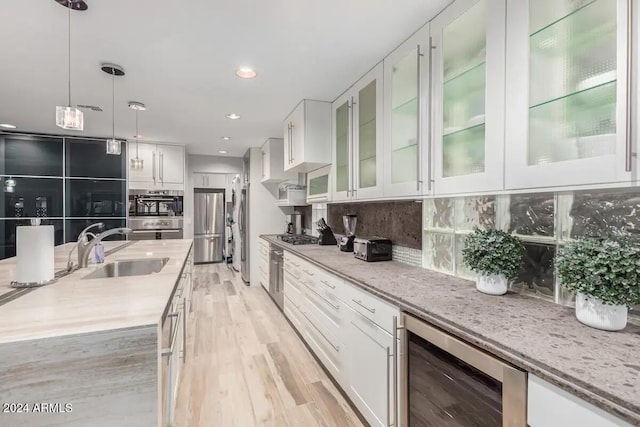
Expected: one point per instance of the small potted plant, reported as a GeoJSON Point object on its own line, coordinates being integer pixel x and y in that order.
{"type": "Point", "coordinates": [496, 256]}
{"type": "Point", "coordinates": [604, 273]}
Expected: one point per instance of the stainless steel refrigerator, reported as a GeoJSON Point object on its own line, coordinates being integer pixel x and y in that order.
{"type": "Point", "coordinates": [208, 227]}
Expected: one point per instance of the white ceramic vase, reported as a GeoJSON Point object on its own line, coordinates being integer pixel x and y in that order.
{"type": "Point", "coordinates": [492, 284]}
{"type": "Point", "coordinates": [593, 312]}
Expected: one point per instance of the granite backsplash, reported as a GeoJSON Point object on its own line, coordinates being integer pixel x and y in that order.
{"type": "Point", "coordinates": [400, 221]}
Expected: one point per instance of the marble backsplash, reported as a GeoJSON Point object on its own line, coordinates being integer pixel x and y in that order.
{"type": "Point", "coordinates": [399, 221]}
{"type": "Point", "coordinates": [544, 222]}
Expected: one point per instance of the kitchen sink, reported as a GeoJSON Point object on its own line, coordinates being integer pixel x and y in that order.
{"type": "Point", "coordinates": [129, 267]}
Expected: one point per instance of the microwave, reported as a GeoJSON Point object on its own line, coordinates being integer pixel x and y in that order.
{"type": "Point", "coordinates": [291, 194]}
{"type": "Point", "coordinates": [318, 185]}
{"type": "Point", "coordinates": [147, 203]}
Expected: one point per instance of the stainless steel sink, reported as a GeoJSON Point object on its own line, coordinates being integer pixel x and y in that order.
{"type": "Point", "coordinates": [129, 267]}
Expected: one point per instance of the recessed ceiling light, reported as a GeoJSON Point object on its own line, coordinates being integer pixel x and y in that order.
{"type": "Point", "coordinates": [222, 152]}
{"type": "Point", "coordinates": [233, 116]}
{"type": "Point", "coordinates": [224, 138]}
{"type": "Point", "coordinates": [135, 105]}
{"type": "Point", "coordinates": [245, 73]}
{"type": "Point", "coordinates": [7, 126]}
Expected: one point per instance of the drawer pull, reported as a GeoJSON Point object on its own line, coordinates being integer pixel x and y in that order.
{"type": "Point", "coordinates": [328, 284]}
{"type": "Point", "coordinates": [308, 272]}
{"type": "Point", "coordinates": [336, 307]}
{"type": "Point", "coordinates": [335, 347]}
{"type": "Point", "coordinates": [291, 273]}
{"type": "Point", "coordinates": [359, 302]}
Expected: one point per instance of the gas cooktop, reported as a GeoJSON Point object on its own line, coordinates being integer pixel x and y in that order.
{"type": "Point", "coordinates": [298, 239]}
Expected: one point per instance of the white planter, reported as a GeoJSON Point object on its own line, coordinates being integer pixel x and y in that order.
{"type": "Point", "coordinates": [492, 284]}
{"type": "Point", "coordinates": [593, 312]}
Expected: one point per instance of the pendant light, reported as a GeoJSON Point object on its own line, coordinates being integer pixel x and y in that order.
{"type": "Point", "coordinates": [68, 117]}
{"type": "Point", "coordinates": [137, 163]}
{"type": "Point", "coordinates": [114, 145]}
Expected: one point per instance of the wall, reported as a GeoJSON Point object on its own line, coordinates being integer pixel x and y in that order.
{"type": "Point", "coordinates": [204, 164]}
{"type": "Point", "coordinates": [264, 216]}
{"type": "Point", "coordinates": [543, 221]}
{"type": "Point", "coordinates": [70, 181]}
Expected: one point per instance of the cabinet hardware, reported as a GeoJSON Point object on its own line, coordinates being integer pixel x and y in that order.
{"type": "Point", "coordinates": [174, 314]}
{"type": "Point", "coordinates": [335, 307]}
{"type": "Point", "coordinates": [359, 302]}
{"type": "Point", "coordinates": [292, 147]}
{"type": "Point", "coordinates": [184, 328]}
{"type": "Point", "coordinates": [335, 347]}
{"type": "Point", "coordinates": [389, 423]}
{"type": "Point", "coordinates": [308, 272]}
{"type": "Point", "coordinates": [166, 352]}
{"type": "Point", "coordinates": [628, 142]}
{"type": "Point", "coordinates": [328, 284]}
{"type": "Point", "coordinates": [161, 166]}
{"type": "Point", "coordinates": [352, 147]}
{"type": "Point", "coordinates": [419, 120]}
{"type": "Point", "coordinates": [394, 365]}
{"type": "Point", "coordinates": [153, 167]}
{"type": "Point", "coordinates": [430, 122]}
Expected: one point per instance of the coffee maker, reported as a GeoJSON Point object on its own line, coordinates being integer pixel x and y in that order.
{"type": "Point", "coordinates": [293, 223]}
{"type": "Point", "coordinates": [346, 243]}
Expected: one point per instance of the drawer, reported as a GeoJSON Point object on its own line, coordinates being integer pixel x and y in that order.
{"type": "Point", "coordinates": [291, 269]}
{"type": "Point", "coordinates": [327, 311]}
{"type": "Point", "coordinates": [324, 344]}
{"type": "Point", "coordinates": [293, 313]}
{"type": "Point", "coordinates": [371, 307]}
{"type": "Point", "coordinates": [294, 293]}
{"type": "Point", "coordinates": [323, 281]}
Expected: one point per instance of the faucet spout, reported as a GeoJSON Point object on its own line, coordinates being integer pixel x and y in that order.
{"type": "Point", "coordinates": [84, 247]}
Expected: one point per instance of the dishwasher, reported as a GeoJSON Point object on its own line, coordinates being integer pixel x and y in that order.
{"type": "Point", "coordinates": [276, 275]}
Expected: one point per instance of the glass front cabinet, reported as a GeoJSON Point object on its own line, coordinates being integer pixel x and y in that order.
{"type": "Point", "coordinates": [407, 142]}
{"type": "Point", "coordinates": [468, 96]}
{"type": "Point", "coordinates": [357, 140]}
{"type": "Point", "coordinates": [568, 93]}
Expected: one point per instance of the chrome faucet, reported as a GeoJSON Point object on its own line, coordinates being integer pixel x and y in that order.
{"type": "Point", "coordinates": [84, 246]}
{"type": "Point", "coordinates": [82, 238]}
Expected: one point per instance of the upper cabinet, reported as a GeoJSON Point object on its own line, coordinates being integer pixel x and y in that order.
{"type": "Point", "coordinates": [162, 166]}
{"type": "Point", "coordinates": [318, 185]}
{"type": "Point", "coordinates": [468, 74]}
{"type": "Point", "coordinates": [307, 136]}
{"type": "Point", "coordinates": [273, 162]}
{"type": "Point", "coordinates": [568, 93]}
{"type": "Point", "coordinates": [357, 130]}
{"type": "Point", "coordinates": [406, 149]}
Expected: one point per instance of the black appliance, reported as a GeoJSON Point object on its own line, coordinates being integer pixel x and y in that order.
{"type": "Point", "coordinates": [372, 249]}
{"type": "Point", "coordinates": [155, 203]}
{"type": "Point", "coordinates": [346, 243]}
{"type": "Point", "coordinates": [326, 234]}
{"type": "Point", "coordinates": [299, 239]}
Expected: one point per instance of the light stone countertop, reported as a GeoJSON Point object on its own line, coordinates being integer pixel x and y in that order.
{"type": "Point", "coordinates": [538, 336]}
{"type": "Point", "coordinates": [75, 306]}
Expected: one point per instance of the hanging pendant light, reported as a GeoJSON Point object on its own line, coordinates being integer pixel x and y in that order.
{"type": "Point", "coordinates": [114, 145]}
{"type": "Point", "coordinates": [68, 117]}
{"type": "Point", "coordinates": [137, 163]}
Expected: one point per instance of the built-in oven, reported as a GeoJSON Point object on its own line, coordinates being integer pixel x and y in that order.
{"type": "Point", "coordinates": [447, 382]}
{"type": "Point", "coordinates": [155, 214]}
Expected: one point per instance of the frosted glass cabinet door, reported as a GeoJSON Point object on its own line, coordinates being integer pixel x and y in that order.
{"type": "Point", "coordinates": [368, 128]}
{"type": "Point", "coordinates": [406, 116]}
{"type": "Point", "coordinates": [567, 92]}
{"type": "Point", "coordinates": [468, 92]}
{"type": "Point", "coordinates": [342, 147]}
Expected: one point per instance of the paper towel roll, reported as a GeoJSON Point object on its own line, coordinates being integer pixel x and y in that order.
{"type": "Point", "coordinates": [34, 254]}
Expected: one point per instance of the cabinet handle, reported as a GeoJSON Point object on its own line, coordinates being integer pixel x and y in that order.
{"type": "Point", "coordinates": [394, 366]}
{"type": "Point", "coordinates": [335, 307]}
{"type": "Point", "coordinates": [419, 120]}
{"type": "Point", "coordinates": [292, 147]}
{"type": "Point", "coordinates": [308, 272]}
{"type": "Point", "coordinates": [335, 347]}
{"type": "Point", "coordinates": [328, 284]}
{"type": "Point", "coordinates": [628, 142]}
{"type": "Point", "coordinates": [161, 166]}
{"type": "Point", "coordinates": [359, 302]}
{"type": "Point", "coordinates": [430, 122]}
{"type": "Point", "coordinates": [153, 166]}
{"type": "Point", "coordinates": [352, 147]}
{"type": "Point", "coordinates": [184, 328]}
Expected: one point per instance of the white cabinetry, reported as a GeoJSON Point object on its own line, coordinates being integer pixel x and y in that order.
{"type": "Point", "coordinates": [352, 333]}
{"type": "Point", "coordinates": [550, 406]}
{"type": "Point", "coordinates": [273, 162]}
{"type": "Point", "coordinates": [406, 154]}
{"type": "Point", "coordinates": [319, 185]}
{"type": "Point", "coordinates": [263, 266]}
{"type": "Point", "coordinates": [568, 94]}
{"type": "Point", "coordinates": [357, 132]}
{"type": "Point", "coordinates": [210, 180]}
{"type": "Point", "coordinates": [307, 136]}
{"type": "Point", "coordinates": [162, 166]}
{"type": "Point", "coordinates": [468, 40]}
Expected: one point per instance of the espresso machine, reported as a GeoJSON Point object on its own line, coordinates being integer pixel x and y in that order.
{"type": "Point", "coordinates": [346, 243]}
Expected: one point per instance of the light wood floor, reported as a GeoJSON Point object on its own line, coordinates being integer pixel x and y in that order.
{"type": "Point", "coordinates": [246, 366]}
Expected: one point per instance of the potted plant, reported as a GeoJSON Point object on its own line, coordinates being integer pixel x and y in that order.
{"type": "Point", "coordinates": [496, 256]}
{"type": "Point", "coordinates": [604, 273]}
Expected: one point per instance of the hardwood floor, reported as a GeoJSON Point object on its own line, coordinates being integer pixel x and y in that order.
{"type": "Point", "coordinates": [245, 366]}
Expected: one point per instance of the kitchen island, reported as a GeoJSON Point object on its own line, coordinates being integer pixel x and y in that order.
{"type": "Point", "coordinates": [88, 351]}
{"type": "Point", "coordinates": [537, 336]}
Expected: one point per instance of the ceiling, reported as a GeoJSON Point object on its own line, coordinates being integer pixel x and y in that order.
{"type": "Point", "coordinates": [180, 58]}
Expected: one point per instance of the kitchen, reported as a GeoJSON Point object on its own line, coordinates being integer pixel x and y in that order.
{"type": "Point", "coordinates": [426, 217]}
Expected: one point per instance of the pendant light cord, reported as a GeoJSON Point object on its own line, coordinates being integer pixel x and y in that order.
{"type": "Point", "coordinates": [136, 134]}
{"type": "Point", "coordinates": [113, 103]}
{"type": "Point", "coordinates": [69, 6]}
